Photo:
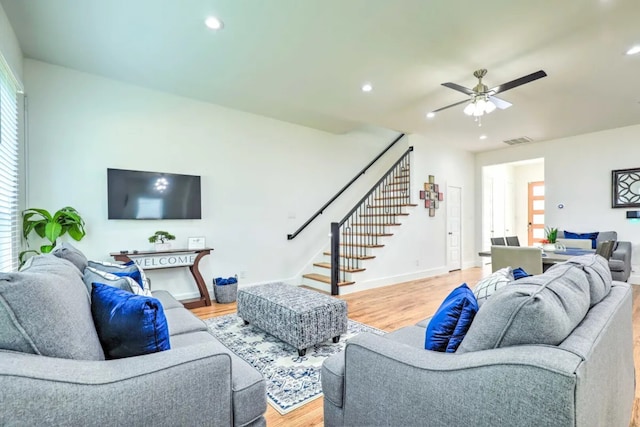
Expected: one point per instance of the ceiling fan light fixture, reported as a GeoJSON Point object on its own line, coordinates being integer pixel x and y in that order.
{"type": "Point", "coordinates": [470, 108]}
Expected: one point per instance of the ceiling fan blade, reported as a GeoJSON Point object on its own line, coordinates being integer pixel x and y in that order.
{"type": "Point", "coordinates": [449, 106]}
{"type": "Point", "coordinates": [518, 82]}
{"type": "Point", "coordinates": [500, 103]}
{"type": "Point", "coordinates": [459, 88]}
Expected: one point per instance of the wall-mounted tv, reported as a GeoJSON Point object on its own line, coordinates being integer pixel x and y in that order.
{"type": "Point", "coordinates": [152, 195]}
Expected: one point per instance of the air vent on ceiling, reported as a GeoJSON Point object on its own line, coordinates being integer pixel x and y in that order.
{"type": "Point", "coordinates": [517, 141]}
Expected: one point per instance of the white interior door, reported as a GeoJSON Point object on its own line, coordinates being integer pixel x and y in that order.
{"type": "Point", "coordinates": [454, 229]}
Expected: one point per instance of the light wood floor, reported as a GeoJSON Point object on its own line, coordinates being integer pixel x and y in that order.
{"type": "Point", "coordinates": [395, 306]}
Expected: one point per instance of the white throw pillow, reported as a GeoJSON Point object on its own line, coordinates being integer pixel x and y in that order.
{"type": "Point", "coordinates": [487, 286]}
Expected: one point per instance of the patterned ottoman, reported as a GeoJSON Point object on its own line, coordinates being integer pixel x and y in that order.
{"type": "Point", "coordinates": [297, 316]}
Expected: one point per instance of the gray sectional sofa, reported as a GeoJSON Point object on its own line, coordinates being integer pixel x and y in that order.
{"type": "Point", "coordinates": [620, 261]}
{"type": "Point", "coordinates": [53, 370]}
{"type": "Point", "coordinates": [549, 350]}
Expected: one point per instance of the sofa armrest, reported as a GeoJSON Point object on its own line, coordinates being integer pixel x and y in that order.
{"type": "Point", "coordinates": [387, 383]}
{"type": "Point", "coordinates": [622, 252]}
{"type": "Point", "coordinates": [183, 386]}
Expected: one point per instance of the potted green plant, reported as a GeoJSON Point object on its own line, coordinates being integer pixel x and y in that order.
{"type": "Point", "coordinates": [65, 221]}
{"type": "Point", "coordinates": [549, 242]}
{"type": "Point", "coordinates": [161, 239]}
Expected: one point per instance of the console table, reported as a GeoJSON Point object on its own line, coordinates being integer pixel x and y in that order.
{"type": "Point", "coordinates": [173, 258]}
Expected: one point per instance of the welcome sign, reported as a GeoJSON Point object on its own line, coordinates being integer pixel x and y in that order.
{"type": "Point", "coordinates": [150, 262]}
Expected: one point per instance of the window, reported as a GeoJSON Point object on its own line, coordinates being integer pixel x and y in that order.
{"type": "Point", "coordinates": [9, 210]}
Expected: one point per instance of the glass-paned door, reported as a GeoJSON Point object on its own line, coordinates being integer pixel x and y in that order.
{"type": "Point", "coordinates": [536, 212]}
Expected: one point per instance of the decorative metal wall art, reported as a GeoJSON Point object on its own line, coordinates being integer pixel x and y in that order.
{"type": "Point", "coordinates": [625, 188]}
{"type": "Point", "coordinates": [431, 195]}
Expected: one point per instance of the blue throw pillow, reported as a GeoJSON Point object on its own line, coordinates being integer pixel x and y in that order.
{"type": "Point", "coordinates": [593, 236]}
{"type": "Point", "coordinates": [451, 322]}
{"type": "Point", "coordinates": [519, 273]}
{"type": "Point", "coordinates": [127, 324]}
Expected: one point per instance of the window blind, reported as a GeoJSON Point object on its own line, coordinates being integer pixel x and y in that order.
{"type": "Point", "coordinates": [9, 210]}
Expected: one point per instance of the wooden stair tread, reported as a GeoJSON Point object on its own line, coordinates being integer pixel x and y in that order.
{"type": "Point", "coordinates": [361, 257]}
{"type": "Point", "coordinates": [397, 183]}
{"type": "Point", "coordinates": [402, 205]}
{"type": "Point", "coordinates": [368, 234]}
{"type": "Point", "coordinates": [324, 279]}
{"type": "Point", "coordinates": [345, 269]}
{"type": "Point", "coordinates": [361, 245]}
{"type": "Point", "coordinates": [385, 214]}
{"type": "Point", "coordinates": [364, 224]}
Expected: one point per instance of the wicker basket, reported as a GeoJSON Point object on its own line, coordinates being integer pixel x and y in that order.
{"type": "Point", "coordinates": [225, 293]}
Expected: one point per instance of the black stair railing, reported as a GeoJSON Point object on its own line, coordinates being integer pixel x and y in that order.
{"type": "Point", "coordinates": [339, 193]}
{"type": "Point", "coordinates": [353, 237]}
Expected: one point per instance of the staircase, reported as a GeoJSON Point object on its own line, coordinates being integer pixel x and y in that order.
{"type": "Point", "coordinates": [364, 229]}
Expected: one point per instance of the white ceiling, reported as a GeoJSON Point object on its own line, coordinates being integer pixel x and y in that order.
{"type": "Point", "coordinates": [303, 61]}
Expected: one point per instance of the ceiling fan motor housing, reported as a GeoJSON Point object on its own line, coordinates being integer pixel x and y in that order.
{"type": "Point", "coordinates": [480, 87]}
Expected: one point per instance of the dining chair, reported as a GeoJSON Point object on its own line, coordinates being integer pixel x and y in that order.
{"type": "Point", "coordinates": [498, 241]}
{"type": "Point", "coordinates": [605, 249]}
{"type": "Point", "coordinates": [525, 257]}
{"type": "Point", "coordinates": [512, 241]}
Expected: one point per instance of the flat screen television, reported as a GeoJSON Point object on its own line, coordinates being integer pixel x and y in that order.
{"type": "Point", "coordinates": [152, 195]}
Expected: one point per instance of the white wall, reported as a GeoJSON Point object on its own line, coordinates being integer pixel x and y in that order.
{"type": "Point", "coordinates": [9, 46]}
{"type": "Point", "coordinates": [577, 173]}
{"type": "Point", "coordinates": [256, 172]}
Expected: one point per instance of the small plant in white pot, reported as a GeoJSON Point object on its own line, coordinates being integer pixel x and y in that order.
{"type": "Point", "coordinates": [161, 240]}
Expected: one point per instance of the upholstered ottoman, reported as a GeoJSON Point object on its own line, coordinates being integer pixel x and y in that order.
{"type": "Point", "coordinates": [299, 317]}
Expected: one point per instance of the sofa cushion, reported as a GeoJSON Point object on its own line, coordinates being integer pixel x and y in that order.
{"type": "Point", "coordinates": [591, 236]}
{"type": "Point", "coordinates": [488, 285]}
{"type": "Point", "coordinates": [67, 251]}
{"type": "Point", "coordinates": [451, 321]}
{"type": "Point", "coordinates": [598, 274]}
{"type": "Point", "coordinates": [167, 300]}
{"type": "Point", "coordinates": [127, 324]}
{"type": "Point", "coordinates": [181, 321]}
{"type": "Point", "coordinates": [130, 269]}
{"type": "Point", "coordinates": [541, 309]}
{"type": "Point", "coordinates": [247, 384]}
{"type": "Point", "coordinates": [616, 265]}
{"type": "Point", "coordinates": [92, 275]}
{"type": "Point", "coordinates": [45, 309]}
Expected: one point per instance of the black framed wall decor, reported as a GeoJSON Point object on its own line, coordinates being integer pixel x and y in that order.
{"type": "Point", "coordinates": [625, 188]}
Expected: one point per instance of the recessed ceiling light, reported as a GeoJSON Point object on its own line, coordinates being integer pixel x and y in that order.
{"type": "Point", "coordinates": [367, 87]}
{"type": "Point", "coordinates": [483, 136]}
{"type": "Point", "coordinates": [635, 49]}
{"type": "Point", "coordinates": [431, 115]}
{"type": "Point", "coordinates": [213, 23]}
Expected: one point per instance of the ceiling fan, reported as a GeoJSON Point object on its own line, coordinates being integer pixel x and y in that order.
{"type": "Point", "coordinates": [483, 99]}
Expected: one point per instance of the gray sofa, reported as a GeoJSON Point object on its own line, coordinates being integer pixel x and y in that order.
{"type": "Point", "coordinates": [45, 309]}
{"type": "Point", "coordinates": [515, 366]}
{"type": "Point", "coordinates": [620, 261]}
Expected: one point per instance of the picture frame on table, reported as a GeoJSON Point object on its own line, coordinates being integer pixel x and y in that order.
{"type": "Point", "coordinates": [194, 243]}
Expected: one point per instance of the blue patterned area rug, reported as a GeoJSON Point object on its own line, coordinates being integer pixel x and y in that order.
{"type": "Point", "coordinates": [292, 381]}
